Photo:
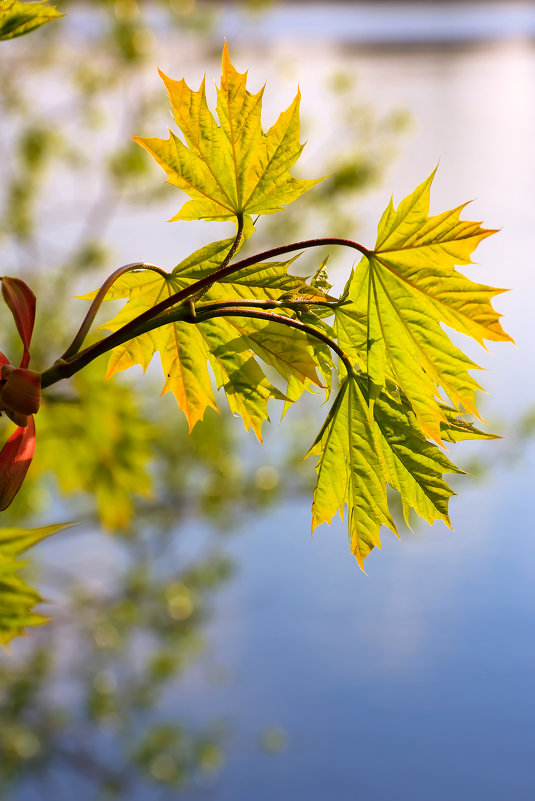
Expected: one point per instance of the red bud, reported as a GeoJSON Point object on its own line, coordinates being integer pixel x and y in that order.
{"type": "Point", "coordinates": [15, 459]}
{"type": "Point", "coordinates": [20, 391]}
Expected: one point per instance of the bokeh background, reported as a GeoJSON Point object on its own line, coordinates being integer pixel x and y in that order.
{"type": "Point", "coordinates": [202, 646]}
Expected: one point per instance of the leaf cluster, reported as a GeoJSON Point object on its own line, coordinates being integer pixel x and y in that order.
{"type": "Point", "coordinates": [251, 328]}
{"type": "Point", "coordinates": [261, 333]}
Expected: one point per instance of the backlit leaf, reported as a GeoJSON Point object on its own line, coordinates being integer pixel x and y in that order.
{"type": "Point", "coordinates": [293, 354]}
{"type": "Point", "coordinates": [351, 472]}
{"type": "Point", "coordinates": [182, 349]}
{"type": "Point", "coordinates": [231, 168]}
{"type": "Point", "coordinates": [405, 387]}
{"type": "Point", "coordinates": [360, 455]}
{"type": "Point", "coordinates": [404, 290]}
{"type": "Point", "coordinates": [228, 345]}
{"type": "Point", "coordinates": [239, 374]}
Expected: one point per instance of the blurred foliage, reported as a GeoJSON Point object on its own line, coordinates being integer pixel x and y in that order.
{"type": "Point", "coordinates": [116, 650]}
{"type": "Point", "coordinates": [18, 19]}
{"type": "Point", "coordinates": [88, 696]}
{"type": "Point", "coordinates": [17, 598]}
{"type": "Point", "coordinates": [102, 446]}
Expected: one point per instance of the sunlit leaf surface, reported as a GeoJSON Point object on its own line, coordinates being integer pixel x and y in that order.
{"type": "Point", "coordinates": [403, 293]}
{"type": "Point", "coordinates": [233, 167]}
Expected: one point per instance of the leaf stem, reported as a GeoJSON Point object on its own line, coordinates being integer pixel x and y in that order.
{"type": "Point", "coordinates": [302, 245]}
{"type": "Point", "coordinates": [295, 305]}
{"type": "Point", "coordinates": [227, 268]}
{"type": "Point", "coordinates": [71, 363]}
{"type": "Point", "coordinates": [182, 313]}
{"type": "Point", "coordinates": [224, 270]}
{"type": "Point", "coordinates": [256, 314]}
{"type": "Point", "coordinates": [73, 360]}
{"type": "Point", "coordinates": [66, 368]}
{"type": "Point", "coordinates": [87, 322]}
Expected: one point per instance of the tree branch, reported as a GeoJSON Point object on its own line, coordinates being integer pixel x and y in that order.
{"type": "Point", "coordinates": [303, 245]}
{"type": "Point", "coordinates": [226, 269]}
{"type": "Point", "coordinates": [255, 314]}
{"type": "Point", "coordinates": [72, 361]}
{"type": "Point", "coordinates": [153, 317]}
{"type": "Point", "coordinates": [87, 322]}
{"type": "Point", "coordinates": [252, 309]}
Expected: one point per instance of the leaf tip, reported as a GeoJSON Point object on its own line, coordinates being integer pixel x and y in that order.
{"type": "Point", "coordinates": [360, 561]}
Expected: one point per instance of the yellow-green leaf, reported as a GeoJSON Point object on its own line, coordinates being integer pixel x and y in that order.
{"type": "Point", "coordinates": [246, 387]}
{"type": "Point", "coordinates": [17, 598]}
{"type": "Point", "coordinates": [184, 356]}
{"type": "Point", "coordinates": [293, 354]}
{"type": "Point", "coordinates": [457, 428]}
{"type": "Point", "coordinates": [231, 168]}
{"type": "Point", "coordinates": [351, 472]}
{"type": "Point", "coordinates": [187, 349]}
{"type": "Point", "coordinates": [182, 349]}
{"type": "Point", "coordinates": [359, 454]}
{"type": "Point", "coordinates": [17, 19]}
{"type": "Point", "coordinates": [414, 465]}
{"type": "Point", "coordinates": [404, 290]}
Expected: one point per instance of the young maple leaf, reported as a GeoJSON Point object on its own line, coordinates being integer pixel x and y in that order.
{"type": "Point", "coordinates": [401, 293]}
{"type": "Point", "coordinates": [351, 472]}
{"type": "Point", "coordinates": [229, 345]}
{"type": "Point", "coordinates": [359, 455]}
{"type": "Point", "coordinates": [182, 349]}
{"type": "Point", "coordinates": [295, 355]}
{"type": "Point", "coordinates": [233, 168]}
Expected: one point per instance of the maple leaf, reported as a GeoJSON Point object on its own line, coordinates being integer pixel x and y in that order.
{"type": "Point", "coordinates": [400, 294]}
{"type": "Point", "coordinates": [351, 472]}
{"type": "Point", "coordinates": [405, 387]}
{"type": "Point", "coordinates": [228, 345]}
{"type": "Point", "coordinates": [183, 350]}
{"type": "Point", "coordinates": [359, 455]}
{"type": "Point", "coordinates": [246, 387]}
{"type": "Point", "coordinates": [457, 428]}
{"type": "Point", "coordinates": [296, 356]}
{"type": "Point", "coordinates": [17, 598]}
{"type": "Point", "coordinates": [233, 168]}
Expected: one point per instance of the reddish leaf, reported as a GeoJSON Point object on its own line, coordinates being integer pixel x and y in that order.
{"type": "Point", "coordinates": [21, 301]}
{"type": "Point", "coordinates": [15, 459]}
